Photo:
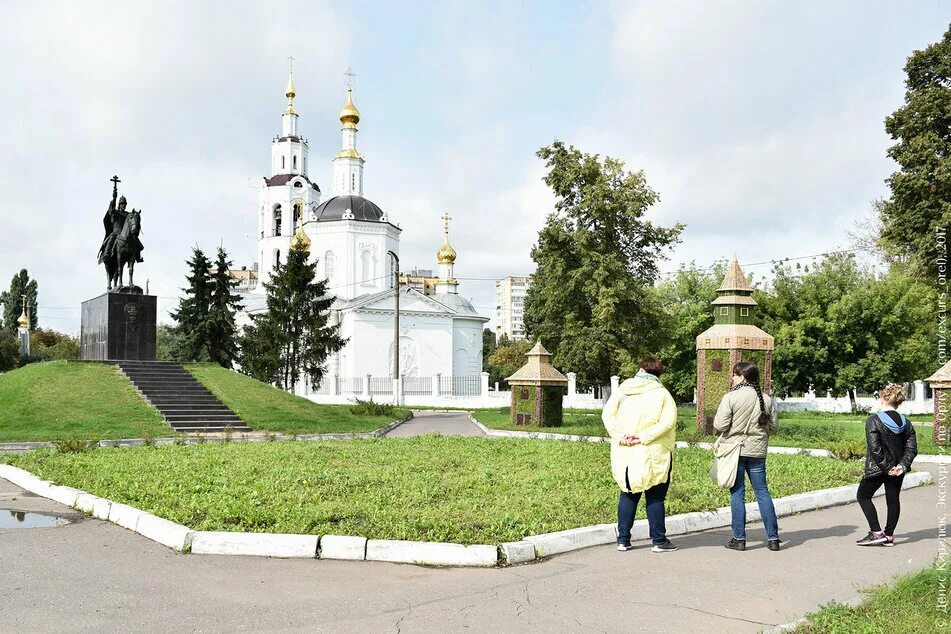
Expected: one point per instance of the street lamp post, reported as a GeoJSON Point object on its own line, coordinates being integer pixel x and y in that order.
{"type": "Point", "coordinates": [396, 326]}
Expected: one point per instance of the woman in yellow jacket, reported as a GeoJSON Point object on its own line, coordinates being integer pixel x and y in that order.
{"type": "Point", "coordinates": [641, 418]}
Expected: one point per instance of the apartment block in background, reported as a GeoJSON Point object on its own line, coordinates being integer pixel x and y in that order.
{"type": "Point", "coordinates": [510, 306]}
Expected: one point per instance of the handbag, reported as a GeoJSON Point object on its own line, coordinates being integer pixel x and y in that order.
{"type": "Point", "coordinates": [726, 461]}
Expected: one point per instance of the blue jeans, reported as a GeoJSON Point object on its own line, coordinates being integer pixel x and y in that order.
{"type": "Point", "coordinates": [756, 468]}
{"type": "Point", "coordinates": [627, 507]}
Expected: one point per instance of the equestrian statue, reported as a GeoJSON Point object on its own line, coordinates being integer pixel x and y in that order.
{"type": "Point", "coordinates": [121, 247]}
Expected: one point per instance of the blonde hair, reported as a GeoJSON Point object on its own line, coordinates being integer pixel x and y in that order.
{"type": "Point", "coordinates": [893, 393]}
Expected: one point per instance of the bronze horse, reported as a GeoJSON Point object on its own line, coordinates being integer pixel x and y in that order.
{"type": "Point", "coordinates": [126, 251]}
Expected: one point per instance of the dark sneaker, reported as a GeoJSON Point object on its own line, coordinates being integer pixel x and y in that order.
{"type": "Point", "coordinates": [872, 539]}
{"type": "Point", "coordinates": [889, 540]}
{"type": "Point", "coordinates": [736, 544]}
{"type": "Point", "coordinates": [664, 547]}
{"type": "Point", "coordinates": [773, 544]}
{"type": "Point", "coordinates": [624, 547]}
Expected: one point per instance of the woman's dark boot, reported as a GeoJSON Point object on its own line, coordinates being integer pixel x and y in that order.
{"type": "Point", "coordinates": [736, 544]}
{"type": "Point", "coordinates": [773, 544]}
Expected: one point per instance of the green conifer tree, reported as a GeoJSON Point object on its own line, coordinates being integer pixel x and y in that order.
{"type": "Point", "coordinates": [222, 343]}
{"type": "Point", "coordinates": [294, 337]}
{"type": "Point", "coordinates": [193, 309]}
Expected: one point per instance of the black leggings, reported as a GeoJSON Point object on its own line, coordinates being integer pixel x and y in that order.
{"type": "Point", "coordinates": [867, 488]}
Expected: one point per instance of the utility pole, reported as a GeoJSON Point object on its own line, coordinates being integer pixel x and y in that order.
{"type": "Point", "coordinates": [396, 321]}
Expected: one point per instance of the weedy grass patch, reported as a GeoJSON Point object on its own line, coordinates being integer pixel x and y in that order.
{"type": "Point", "coordinates": [433, 488]}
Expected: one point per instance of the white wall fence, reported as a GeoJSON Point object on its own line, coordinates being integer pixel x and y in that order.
{"type": "Point", "coordinates": [475, 392]}
{"type": "Point", "coordinates": [431, 391]}
{"type": "Point", "coordinates": [918, 400]}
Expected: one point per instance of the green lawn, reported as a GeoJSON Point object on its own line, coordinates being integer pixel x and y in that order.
{"type": "Point", "coordinates": [267, 408]}
{"type": "Point", "coordinates": [815, 430]}
{"type": "Point", "coordinates": [466, 490]}
{"type": "Point", "coordinates": [62, 400]}
{"type": "Point", "coordinates": [908, 605]}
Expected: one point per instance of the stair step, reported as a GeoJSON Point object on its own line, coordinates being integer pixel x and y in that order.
{"type": "Point", "coordinates": [186, 404]}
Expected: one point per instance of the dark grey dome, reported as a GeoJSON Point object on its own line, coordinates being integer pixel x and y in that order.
{"type": "Point", "coordinates": [335, 208]}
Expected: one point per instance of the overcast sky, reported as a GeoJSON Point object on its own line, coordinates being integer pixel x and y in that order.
{"type": "Point", "coordinates": [759, 123]}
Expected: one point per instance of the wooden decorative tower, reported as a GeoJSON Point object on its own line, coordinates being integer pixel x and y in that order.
{"type": "Point", "coordinates": [537, 391]}
{"type": "Point", "coordinates": [732, 338]}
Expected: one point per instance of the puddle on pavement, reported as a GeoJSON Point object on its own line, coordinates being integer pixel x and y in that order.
{"type": "Point", "coordinates": [25, 519]}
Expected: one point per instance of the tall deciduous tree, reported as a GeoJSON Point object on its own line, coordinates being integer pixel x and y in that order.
{"type": "Point", "coordinates": [223, 305]}
{"type": "Point", "coordinates": [591, 301]}
{"type": "Point", "coordinates": [842, 328]}
{"type": "Point", "coordinates": [12, 301]}
{"type": "Point", "coordinates": [193, 309]}
{"type": "Point", "coordinates": [508, 357]}
{"type": "Point", "coordinates": [294, 337]}
{"type": "Point", "coordinates": [920, 201]}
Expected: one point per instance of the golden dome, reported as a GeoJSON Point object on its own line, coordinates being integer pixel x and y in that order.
{"type": "Point", "coordinates": [446, 254]}
{"type": "Point", "coordinates": [300, 240]}
{"type": "Point", "coordinates": [348, 153]}
{"type": "Point", "coordinates": [349, 115]}
{"type": "Point", "coordinates": [23, 321]}
{"type": "Point", "coordinates": [290, 93]}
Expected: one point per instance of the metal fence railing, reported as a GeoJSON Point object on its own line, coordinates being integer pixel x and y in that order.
{"type": "Point", "coordinates": [381, 385]}
{"type": "Point", "coordinates": [418, 385]}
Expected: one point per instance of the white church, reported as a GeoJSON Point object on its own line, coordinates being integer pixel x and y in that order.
{"type": "Point", "coordinates": [352, 239]}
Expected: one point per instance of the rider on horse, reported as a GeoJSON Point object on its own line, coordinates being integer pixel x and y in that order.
{"type": "Point", "coordinates": [113, 222]}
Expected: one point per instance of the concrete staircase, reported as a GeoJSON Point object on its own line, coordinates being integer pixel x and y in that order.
{"type": "Point", "coordinates": [184, 402]}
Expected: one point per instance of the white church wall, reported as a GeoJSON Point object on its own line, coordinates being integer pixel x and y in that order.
{"type": "Point", "coordinates": [467, 347]}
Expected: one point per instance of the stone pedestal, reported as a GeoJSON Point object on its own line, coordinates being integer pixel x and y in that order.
{"type": "Point", "coordinates": [119, 326]}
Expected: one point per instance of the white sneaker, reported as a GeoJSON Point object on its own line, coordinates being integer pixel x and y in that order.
{"type": "Point", "coordinates": [624, 547]}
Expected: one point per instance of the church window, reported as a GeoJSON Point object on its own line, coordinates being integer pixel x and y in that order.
{"type": "Point", "coordinates": [353, 182]}
{"type": "Point", "coordinates": [277, 258]}
{"type": "Point", "coordinates": [277, 220]}
{"type": "Point", "coordinates": [304, 161]}
{"type": "Point", "coordinates": [744, 312]}
{"type": "Point", "coordinates": [329, 265]}
{"type": "Point", "coordinates": [298, 214]}
{"type": "Point", "coordinates": [282, 162]}
{"type": "Point", "coordinates": [298, 184]}
{"type": "Point", "coordinates": [366, 266]}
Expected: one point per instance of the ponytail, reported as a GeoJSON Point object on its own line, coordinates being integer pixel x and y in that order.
{"type": "Point", "coordinates": [750, 374]}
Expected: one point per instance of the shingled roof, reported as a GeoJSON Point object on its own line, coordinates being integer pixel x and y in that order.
{"type": "Point", "coordinates": [734, 280]}
{"type": "Point", "coordinates": [538, 371]}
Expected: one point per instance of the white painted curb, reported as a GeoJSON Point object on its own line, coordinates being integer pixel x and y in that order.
{"type": "Point", "coordinates": [343, 547]}
{"type": "Point", "coordinates": [259, 544]}
{"type": "Point", "coordinates": [517, 552]}
{"type": "Point", "coordinates": [124, 515]}
{"type": "Point", "coordinates": [163, 531]}
{"type": "Point", "coordinates": [431, 553]}
{"type": "Point", "coordinates": [96, 506]}
{"type": "Point", "coordinates": [573, 539]}
{"type": "Point", "coordinates": [427, 553]}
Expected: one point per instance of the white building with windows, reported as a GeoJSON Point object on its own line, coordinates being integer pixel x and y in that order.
{"type": "Point", "coordinates": [351, 239]}
{"type": "Point", "coordinates": [510, 306]}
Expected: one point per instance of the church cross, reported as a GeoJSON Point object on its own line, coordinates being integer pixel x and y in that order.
{"type": "Point", "coordinates": [115, 181]}
{"type": "Point", "coordinates": [291, 58]}
{"type": "Point", "coordinates": [350, 75]}
{"type": "Point", "coordinates": [445, 223]}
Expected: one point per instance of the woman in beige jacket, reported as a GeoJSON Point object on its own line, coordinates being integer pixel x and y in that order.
{"type": "Point", "coordinates": [746, 418]}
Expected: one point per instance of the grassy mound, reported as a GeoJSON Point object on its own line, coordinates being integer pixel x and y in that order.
{"type": "Point", "coordinates": [466, 490]}
{"type": "Point", "coordinates": [913, 603]}
{"type": "Point", "coordinates": [264, 407]}
{"type": "Point", "coordinates": [62, 400]}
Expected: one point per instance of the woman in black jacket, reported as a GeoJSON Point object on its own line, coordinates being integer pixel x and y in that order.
{"type": "Point", "coordinates": [892, 446]}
